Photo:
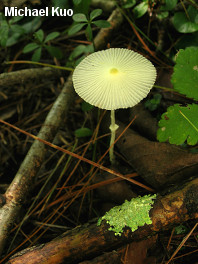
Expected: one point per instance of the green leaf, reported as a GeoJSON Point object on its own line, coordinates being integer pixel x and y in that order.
{"type": "Point", "coordinates": [179, 124]}
{"type": "Point", "coordinates": [184, 23]}
{"type": "Point", "coordinates": [79, 60]}
{"type": "Point", "coordinates": [185, 76]}
{"type": "Point", "coordinates": [77, 2]}
{"type": "Point", "coordinates": [37, 54]}
{"type": "Point", "coordinates": [17, 29]}
{"type": "Point", "coordinates": [95, 13]}
{"type": "Point", "coordinates": [77, 52]}
{"type": "Point", "coordinates": [193, 14]}
{"type": "Point", "coordinates": [168, 5]}
{"type": "Point", "coordinates": [30, 47]}
{"type": "Point", "coordinates": [181, 229]}
{"type": "Point", "coordinates": [83, 132]}
{"type": "Point", "coordinates": [60, 3]}
{"type": "Point", "coordinates": [80, 18]}
{"type": "Point", "coordinates": [89, 32]}
{"type": "Point", "coordinates": [162, 15]}
{"type": "Point", "coordinates": [140, 9]}
{"type": "Point", "coordinates": [153, 103]}
{"type": "Point", "coordinates": [15, 19]}
{"type": "Point", "coordinates": [51, 36]}
{"type": "Point", "coordinates": [86, 106]}
{"type": "Point", "coordinates": [89, 49]}
{"type": "Point", "coordinates": [102, 23]}
{"type": "Point", "coordinates": [75, 28]}
{"type": "Point", "coordinates": [32, 25]}
{"type": "Point", "coordinates": [39, 35]}
{"type": "Point", "coordinates": [29, 27]}
{"type": "Point", "coordinates": [82, 7]}
{"type": "Point", "coordinates": [54, 52]}
{"type": "Point", "coordinates": [129, 4]}
{"type": "Point", "coordinates": [4, 30]}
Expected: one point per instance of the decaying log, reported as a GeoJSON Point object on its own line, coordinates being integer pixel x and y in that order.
{"type": "Point", "coordinates": [29, 75]}
{"type": "Point", "coordinates": [159, 164]}
{"type": "Point", "coordinates": [90, 240]}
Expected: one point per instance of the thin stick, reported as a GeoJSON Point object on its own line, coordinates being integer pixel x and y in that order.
{"type": "Point", "coordinates": [41, 64]}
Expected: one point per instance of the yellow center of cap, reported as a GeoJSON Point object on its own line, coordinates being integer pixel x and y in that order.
{"type": "Point", "coordinates": [113, 71]}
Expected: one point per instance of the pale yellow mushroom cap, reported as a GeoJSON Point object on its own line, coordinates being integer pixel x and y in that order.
{"type": "Point", "coordinates": [114, 78]}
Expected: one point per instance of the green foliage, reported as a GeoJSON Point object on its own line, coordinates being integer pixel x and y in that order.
{"type": "Point", "coordinates": [14, 29]}
{"type": "Point", "coordinates": [181, 229]}
{"type": "Point", "coordinates": [40, 42]}
{"type": "Point", "coordinates": [185, 76]}
{"type": "Point", "coordinates": [153, 103]}
{"type": "Point", "coordinates": [166, 7]}
{"type": "Point", "coordinates": [83, 132]}
{"type": "Point", "coordinates": [77, 2]}
{"type": "Point", "coordinates": [140, 9]}
{"type": "Point", "coordinates": [82, 20]}
{"type": "Point", "coordinates": [176, 128]}
{"type": "Point", "coordinates": [86, 106]}
{"type": "Point", "coordinates": [81, 6]}
{"type": "Point", "coordinates": [134, 213]}
{"type": "Point", "coordinates": [186, 22]}
{"type": "Point", "coordinates": [128, 3]}
{"type": "Point", "coordinates": [180, 123]}
{"type": "Point", "coordinates": [80, 50]}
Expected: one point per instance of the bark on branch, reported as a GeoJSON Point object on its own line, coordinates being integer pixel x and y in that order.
{"type": "Point", "coordinates": [23, 76]}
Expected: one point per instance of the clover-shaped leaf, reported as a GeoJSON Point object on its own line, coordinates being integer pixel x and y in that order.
{"type": "Point", "coordinates": [185, 76]}
{"type": "Point", "coordinates": [179, 124]}
{"type": "Point", "coordinates": [80, 17]}
{"type": "Point", "coordinates": [95, 13]}
{"type": "Point", "coordinates": [39, 35]}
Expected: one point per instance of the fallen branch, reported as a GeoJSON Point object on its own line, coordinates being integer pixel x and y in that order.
{"type": "Point", "coordinates": [20, 187]}
{"type": "Point", "coordinates": [90, 240]}
{"type": "Point", "coordinates": [28, 75]}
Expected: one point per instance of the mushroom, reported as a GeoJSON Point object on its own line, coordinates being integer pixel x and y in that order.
{"type": "Point", "coordinates": [112, 79]}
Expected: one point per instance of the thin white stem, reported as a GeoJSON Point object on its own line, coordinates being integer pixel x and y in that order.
{"type": "Point", "coordinates": [113, 127]}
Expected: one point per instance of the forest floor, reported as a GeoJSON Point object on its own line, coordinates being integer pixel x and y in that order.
{"type": "Point", "coordinates": [56, 179]}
